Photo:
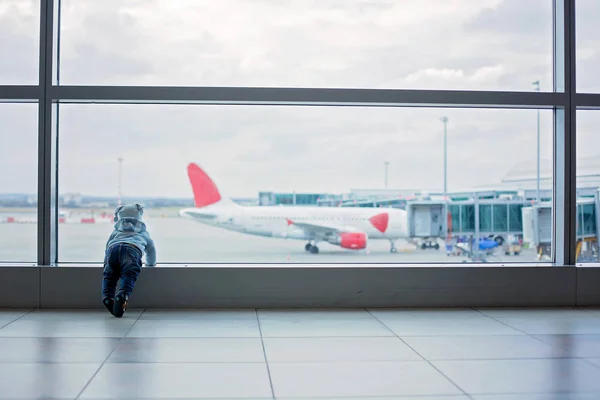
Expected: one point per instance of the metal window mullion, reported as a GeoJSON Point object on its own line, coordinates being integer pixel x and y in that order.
{"type": "Point", "coordinates": [564, 188]}
{"type": "Point", "coordinates": [13, 93]}
{"type": "Point", "coordinates": [45, 143]}
{"type": "Point", "coordinates": [588, 101]}
{"type": "Point", "coordinates": [305, 96]}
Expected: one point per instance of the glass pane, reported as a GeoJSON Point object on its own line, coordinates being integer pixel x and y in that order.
{"type": "Point", "coordinates": [413, 44]}
{"type": "Point", "coordinates": [588, 184]}
{"type": "Point", "coordinates": [485, 218]}
{"type": "Point", "coordinates": [500, 218]}
{"type": "Point", "coordinates": [19, 46]}
{"type": "Point", "coordinates": [468, 218]}
{"type": "Point", "coordinates": [589, 219]}
{"type": "Point", "coordinates": [262, 159]}
{"type": "Point", "coordinates": [515, 220]}
{"type": "Point", "coordinates": [579, 224]}
{"type": "Point", "coordinates": [455, 217]}
{"type": "Point", "coordinates": [588, 45]}
{"type": "Point", "coordinates": [18, 180]}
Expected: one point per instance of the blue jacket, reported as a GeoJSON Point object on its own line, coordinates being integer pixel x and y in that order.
{"type": "Point", "coordinates": [133, 231]}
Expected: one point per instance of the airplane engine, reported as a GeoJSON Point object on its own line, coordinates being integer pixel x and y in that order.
{"type": "Point", "coordinates": [353, 240]}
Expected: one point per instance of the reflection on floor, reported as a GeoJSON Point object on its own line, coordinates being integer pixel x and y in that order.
{"type": "Point", "coordinates": [483, 354]}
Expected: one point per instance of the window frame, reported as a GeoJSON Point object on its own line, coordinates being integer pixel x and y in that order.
{"type": "Point", "coordinates": [563, 100]}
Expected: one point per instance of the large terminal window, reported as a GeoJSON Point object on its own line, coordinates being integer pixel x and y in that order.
{"type": "Point", "coordinates": [432, 44]}
{"type": "Point", "coordinates": [588, 139]}
{"type": "Point", "coordinates": [18, 182]}
{"type": "Point", "coordinates": [296, 184]}
{"type": "Point", "coordinates": [588, 187]}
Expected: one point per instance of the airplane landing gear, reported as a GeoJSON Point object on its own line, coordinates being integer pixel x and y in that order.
{"type": "Point", "coordinates": [311, 248]}
{"type": "Point", "coordinates": [393, 248]}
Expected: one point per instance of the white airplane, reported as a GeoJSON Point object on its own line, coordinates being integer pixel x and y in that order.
{"type": "Point", "coordinates": [349, 228]}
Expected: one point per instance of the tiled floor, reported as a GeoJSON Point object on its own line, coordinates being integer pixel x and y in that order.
{"type": "Point", "coordinates": [377, 354]}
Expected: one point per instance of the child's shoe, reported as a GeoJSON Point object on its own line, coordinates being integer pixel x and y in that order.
{"type": "Point", "coordinates": [120, 305]}
{"type": "Point", "coordinates": [109, 304]}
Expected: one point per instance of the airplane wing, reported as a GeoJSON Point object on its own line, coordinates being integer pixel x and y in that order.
{"type": "Point", "coordinates": [321, 230]}
{"type": "Point", "coordinates": [197, 214]}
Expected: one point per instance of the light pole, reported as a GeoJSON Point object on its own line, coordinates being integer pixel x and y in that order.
{"type": "Point", "coordinates": [537, 88]}
{"type": "Point", "coordinates": [445, 121]}
{"type": "Point", "coordinates": [387, 164]}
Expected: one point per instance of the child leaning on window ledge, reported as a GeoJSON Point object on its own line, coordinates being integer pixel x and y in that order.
{"type": "Point", "coordinates": [123, 257]}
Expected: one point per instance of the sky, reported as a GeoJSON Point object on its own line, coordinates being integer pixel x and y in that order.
{"type": "Point", "coordinates": [410, 44]}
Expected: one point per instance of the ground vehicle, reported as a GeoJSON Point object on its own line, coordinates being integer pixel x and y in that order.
{"type": "Point", "coordinates": [512, 246]}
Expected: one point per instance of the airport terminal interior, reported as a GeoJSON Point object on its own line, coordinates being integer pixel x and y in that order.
{"type": "Point", "coordinates": [341, 200]}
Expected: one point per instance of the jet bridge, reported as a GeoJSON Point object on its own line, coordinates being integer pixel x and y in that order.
{"type": "Point", "coordinates": [459, 223]}
{"type": "Point", "coordinates": [427, 221]}
{"type": "Point", "coordinates": [491, 218]}
{"type": "Point", "coordinates": [537, 225]}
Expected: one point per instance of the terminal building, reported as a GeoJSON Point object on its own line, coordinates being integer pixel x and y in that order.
{"type": "Point", "coordinates": [513, 209]}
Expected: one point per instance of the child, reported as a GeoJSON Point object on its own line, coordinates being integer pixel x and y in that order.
{"type": "Point", "coordinates": [123, 258]}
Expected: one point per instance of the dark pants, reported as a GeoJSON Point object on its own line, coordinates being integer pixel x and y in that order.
{"type": "Point", "coordinates": [122, 265]}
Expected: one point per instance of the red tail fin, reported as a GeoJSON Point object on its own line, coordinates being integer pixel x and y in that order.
{"type": "Point", "coordinates": [205, 190]}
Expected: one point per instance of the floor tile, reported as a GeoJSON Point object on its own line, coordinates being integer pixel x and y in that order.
{"type": "Point", "coordinates": [326, 314]}
{"type": "Point", "coordinates": [420, 313]}
{"type": "Point", "coordinates": [7, 316]}
{"type": "Point", "coordinates": [197, 329]}
{"type": "Point", "coordinates": [366, 379]}
{"type": "Point", "coordinates": [55, 350]}
{"type": "Point", "coordinates": [338, 349]}
{"type": "Point", "coordinates": [380, 398]}
{"type": "Point", "coordinates": [449, 327]}
{"type": "Point", "coordinates": [592, 310]}
{"type": "Point", "coordinates": [194, 398]}
{"type": "Point", "coordinates": [555, 325]}
{"type": "Point", "coordinates": [549, 396]}
{"type": "Point", "coordinates": [570, 346]}
{"type": "Point", "coordinates": [80, 315]}
{"type": "Point", "coordinates": [532, 313]}
{"type": "Point", "coordinates": [595, 361]}
{"type": "Point", "coordinates": [479, 347]}
{"type": "Point", "coordinates": [49, 328]}
{"type": "Point", "coordinates": [522, 376]}
{"type": "Point", "coordinates": [164, 350]}
{"type": "Point", "coordinates": [31, 381]}
{"type": "Point", "coordinates": [322, 328]}
{"type": "Point", "coordinates": [151, 381]}
{"type": "Point", "coordinates": [196, 315]}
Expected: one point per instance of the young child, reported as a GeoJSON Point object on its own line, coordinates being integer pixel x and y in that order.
{"type": "Point", "coordinates": [123, 258]}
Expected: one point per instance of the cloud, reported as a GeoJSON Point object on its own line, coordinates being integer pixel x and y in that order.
{"type": "Point", "coordinates": [438, 44]}
{"type": "Point", "coordinates": [529, 22]}
{"type": "Point", "coordinates": [19, 30]}
{"type": "Point", "coordinates": [18, 148]}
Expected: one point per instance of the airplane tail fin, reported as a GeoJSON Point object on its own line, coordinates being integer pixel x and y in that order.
{"type": "Point", "coordinates": [205, 190]}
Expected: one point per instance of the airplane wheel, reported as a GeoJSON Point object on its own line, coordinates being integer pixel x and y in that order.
{"type": "Point", "coordinates": [314, 250]}
{"type": "Point", "coordinates": [308, 247]}
{"type": "Point", "coordinates": [393, 250]}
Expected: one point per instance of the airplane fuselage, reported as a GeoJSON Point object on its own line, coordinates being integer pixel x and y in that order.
{"type": "Point", "coordinates": [280, 221]}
